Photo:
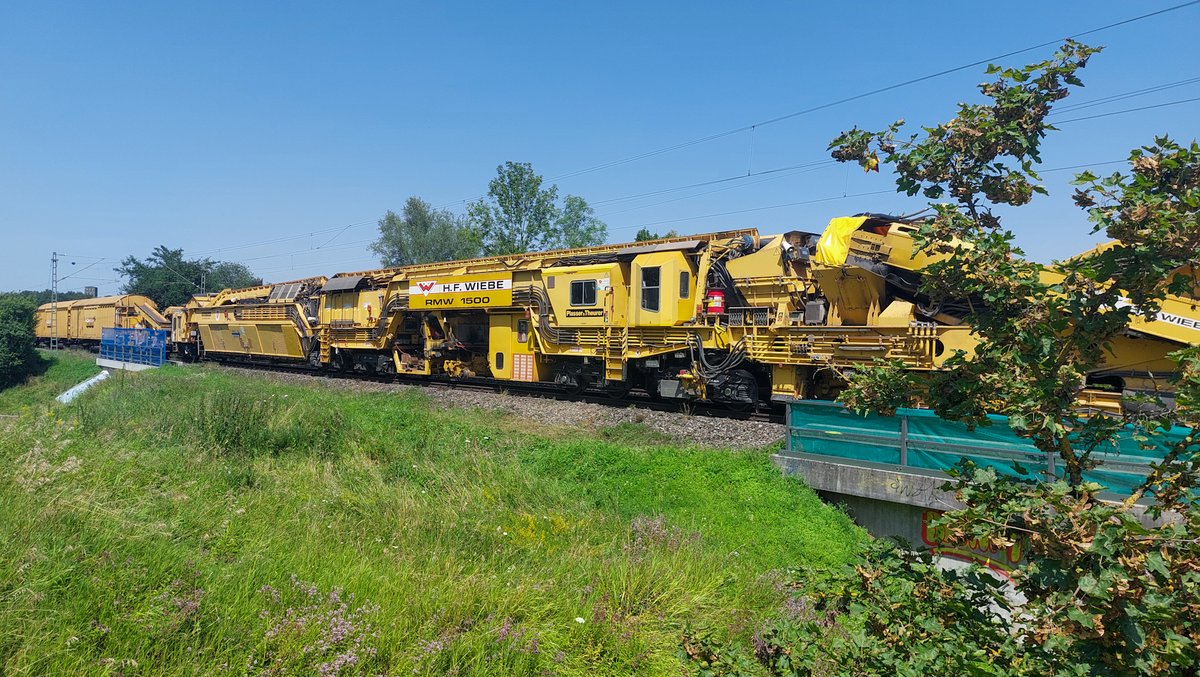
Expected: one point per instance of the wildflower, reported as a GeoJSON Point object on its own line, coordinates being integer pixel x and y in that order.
{"type": "Point", "coordinates": [579, 619]}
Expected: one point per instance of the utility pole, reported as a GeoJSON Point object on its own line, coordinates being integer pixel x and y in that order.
{"type": "Point", "coordinates": [54, 301]}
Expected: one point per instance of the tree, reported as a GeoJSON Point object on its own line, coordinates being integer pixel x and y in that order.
{"type": "Point", "coordinates": [1105, 594]}
{"type": "Point", "coordinates": [423, 235]}
{"type": "Point", "coordinates": [18, 358]}
{"type": "Point", "coordinates": [170, 280]}
{"type": "Point", "coordinates": [519, 215]}
{"type": "Point", "coordinates": [578, 226]}
{"type": "Point", "coordinates": [1103, 591]}
{"type": "Point", "coordinates": [644, 235]}
{"type": "Point", "coordinates": [229, 275]}
{"type": "Point", "coordinates": [46, 295]}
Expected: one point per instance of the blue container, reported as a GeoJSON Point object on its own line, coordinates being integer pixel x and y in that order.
{"type": "Point", "coordinates": [135, 346]}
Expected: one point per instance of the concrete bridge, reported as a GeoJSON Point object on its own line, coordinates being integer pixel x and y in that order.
{"type": "Point", "coordinates": [888, 472]}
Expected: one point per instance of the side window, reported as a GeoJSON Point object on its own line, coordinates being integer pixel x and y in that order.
{"type": "Point", "coordinates": [522, 331]}
{"type": "Point", "coordinates": [583, 293]}
{"type": "Point", "coordinates": [499, 361]}
{"type": "Point", "coordinates": [685, 284]}
{"type": "Point", "coordinates": [651, 278]}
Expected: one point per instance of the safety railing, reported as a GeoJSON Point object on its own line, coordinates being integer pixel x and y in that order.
{"type": "Point", "coordinates": [919, 439]}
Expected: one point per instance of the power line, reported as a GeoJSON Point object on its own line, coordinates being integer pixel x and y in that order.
{"type": "Point", "coordinates": [97, 279]}
{"type": "Point", "coordinates": [1128, 110]}
{"type": "Point", "coordinates": [762, 123]}
{"type": "Point", "coordinates": [339, 234]}
{"type": "Point", "coordinates": [775, 177]}
{"type": "Point", "coordinates": [821, 164]}
{"type": "Point", "coordinates": [856, 97]}
{"type": "Point", "coordinates": [788, 116]}
{"type": "Point", "coordinates": [344, 245]}
{"type": "Point", "coordinates": [727, 179]}
{"type": "Point", "coordinates": [1124, 95]}
{"type": "Point", "coordinates": [1083, 166]}
{"type": "Point", "coordinates": [79, 256]}
{"type": "Point", "coordinates": [759, 209]}
{"type": "Point", "coordinates": [864, 95]}
{"type": "Point", "coordinates": [354, 260]}
{"type": "Point", "coordinates": [807, 166]}
{"type": "Point", "coordinates": [831, 199]}
{"type": "Point", "coordinates": [286, 238]}
{"type": "Point", "coordinates": [81, 269]}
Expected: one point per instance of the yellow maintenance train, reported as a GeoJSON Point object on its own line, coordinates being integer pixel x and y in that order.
{"type": "Point", "coordinates": [733, 317]}
{"type": "Point", "coordinates": [80, 322]}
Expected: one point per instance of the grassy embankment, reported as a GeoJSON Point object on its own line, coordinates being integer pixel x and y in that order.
{"type": "Point", "coordinates": [192, 521]}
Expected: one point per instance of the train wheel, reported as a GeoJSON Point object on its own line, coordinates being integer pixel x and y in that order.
{"type": "Point", "coordinates": [571, 380]}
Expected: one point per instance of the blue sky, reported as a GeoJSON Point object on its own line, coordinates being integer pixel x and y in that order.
{"type": "Point", "coordinates": [276, 134]}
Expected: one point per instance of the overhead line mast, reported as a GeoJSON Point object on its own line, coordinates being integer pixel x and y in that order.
{"type": "Point", "coordinates": [54, 300]}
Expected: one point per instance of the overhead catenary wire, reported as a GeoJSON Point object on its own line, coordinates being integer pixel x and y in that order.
{"type": "Point", "coordinates": [1129, 110]}
{"type": "Point", "coordinates": [749, 127]}
{"type": "Point", "coordinates": [806, 165]}
{"type": "Point", "coordinates": [872, 92]}
{"type": "Point", "coordinates": [286, 238]}
{"type": "Point", "coordinates": [818, 164]}
{"type": "Point", "coordinates": [360, 259]}
{"type": "Point", "coordinates": [758, 209]}
{"type": "Point", "coordinates": [769, 172]}
{"type": "Point", "coordinates": [741, 177]}
{"type": "Point", "coordinates": [774, 177]}
{"type": "Point", "coordinates": [1069, 108]}
{"type": "Point", "coordinates": [67, 277]}
{"type": "Point", "coordinates": [830, 199]}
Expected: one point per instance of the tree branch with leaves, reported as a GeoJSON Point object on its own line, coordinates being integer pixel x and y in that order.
{"type": "Point", "coordinates": [1110, 587]}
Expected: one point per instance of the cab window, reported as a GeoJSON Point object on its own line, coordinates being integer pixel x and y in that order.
{"type": "Point", "coordinates": [685, 284]}
{"type": "Point", "coordinates": [583, 293]}
{"type": "Point", "coordinates": [651, 277]}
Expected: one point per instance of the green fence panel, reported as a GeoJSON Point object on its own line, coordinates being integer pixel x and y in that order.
{"type": "Point", "coordinates": [917, 438]}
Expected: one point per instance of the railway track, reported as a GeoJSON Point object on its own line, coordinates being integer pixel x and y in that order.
{"type": "Point", "coordinates": [637, 399]}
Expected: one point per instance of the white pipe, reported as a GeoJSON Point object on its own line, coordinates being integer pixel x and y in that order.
{"type": "Point", "coordinates": [78, 390]}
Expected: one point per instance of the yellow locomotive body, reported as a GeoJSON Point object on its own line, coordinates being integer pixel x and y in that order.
{"type": "Point", "coordinates": [733, 317]}
{"type": "Point", "coordinates": [82, 321]}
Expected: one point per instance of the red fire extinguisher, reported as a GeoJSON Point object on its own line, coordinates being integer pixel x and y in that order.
{"type": "Point", "coordinates": [715, 302]}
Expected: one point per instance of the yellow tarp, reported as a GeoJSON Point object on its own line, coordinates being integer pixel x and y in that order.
{"type": "Point", "coordinates": [834, 244]}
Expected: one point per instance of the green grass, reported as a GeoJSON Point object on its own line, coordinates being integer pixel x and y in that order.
{"type": "Point", "coordinates": [62, 369]}
{"type": "Point", "coordinates": [194, 521]}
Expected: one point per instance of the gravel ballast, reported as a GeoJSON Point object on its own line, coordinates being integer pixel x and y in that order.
{"type": "Point", "coordinates": [710, 431]}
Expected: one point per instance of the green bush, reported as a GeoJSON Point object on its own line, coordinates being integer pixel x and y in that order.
{"type": "Point", "coordinates": [18, 358]}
